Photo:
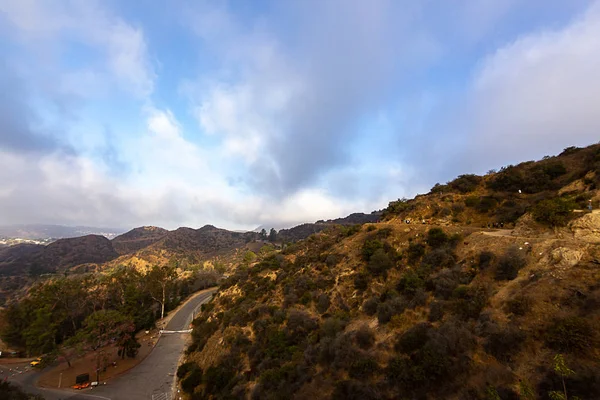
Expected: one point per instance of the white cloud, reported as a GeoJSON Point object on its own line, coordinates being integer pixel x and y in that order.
{"type": "Point", "coordinates": [41, 24]}
{"type": "Point", "coordinates": [537, 95]}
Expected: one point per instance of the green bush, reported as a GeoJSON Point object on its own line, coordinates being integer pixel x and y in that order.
{"type": "Point", "coordinates": [379, 263]}
{"type": "Point", "coordinates": [370, 246]}
{"type": "Point", "coordinates": [553, 212]}
{"type": "Point", "coordinates": [485, 259]}
{"type": "Point", "coordinates": [436, 311]}
{"type": "Point", "coordinates": [365, 337]}
{"type": "Point", "coordinates": [415, 251]}
{"type": "Point", "coordinates": [370, 306]}
{"type": "Point", "coordinates": [409, 283]}
{"type": "Point", "coordinates": [323, 303]}
{"type": "Point", "coordinates": [436, 237]}
{"type": "Point", "coordinates": [504, 343]}
{"type": "Point", "coordinates": [192, 379]}
{"type": "Point", "coordinates": [465, 183]}
{"type": "Point", "coordinates": [363, 367]}
{"type": "Point", "coordinates": [469, 301]}
{"type": "Point", "coordinates": [414, 338]}
{"type": "Point", "coordinates": [570, 334]}
{"type": "Point", "coordinates": [361, 281]}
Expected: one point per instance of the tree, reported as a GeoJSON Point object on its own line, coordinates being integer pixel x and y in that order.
{"type": "Point", "coordinates": [100, 329]}
{"type": "Point", "coordinates": [561, 368]}
{"type": "Point", "coordinates": [272, 235]}
{"type": "Point", "coordinates": [263, 234]}
{"type": "Point", "coordinates": [160, 280]}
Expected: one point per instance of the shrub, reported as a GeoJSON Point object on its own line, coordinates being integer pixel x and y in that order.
{"type": "Point", "coordinates": [415, 251]}
{"type": "Point", "coordinates": [192, 379]}
{"type": "Point", "coordinates": [379, 263]}
{"type": "Point", "coordinates": [332, 326]}
{"type": "Point", "coordinates": [510, 263]}
{"type": "Point", "coordinates": [472, 201]}
{"type": "Point", "coordinates": [363, 367]}
{"type": "Point", "coordinates": [184, 368]}
{"type": "Point", "coordinates": [365, 337]}
{"type": "Point", "coordinates": [470, 301]}
{"type": "Point", "coordinates": [439, 258]}
{"type": "Point", "coordinates": [323, 303]}
{"type": "Point", "coordinates": [414, 338]}
{"type": "Point", "coordinates": [354, 390]}
{"type": "Point", "coordinates": [409, 283]}
{"type": "Point", "coordinates": [465, 183]}
{"type": "Point", "coordinates": [485, 259]}
{"type": "Point", "coordinates": [436, 311]}
{"type": "Point", "coordinates": [300, 324]}
{"type": "Point", "coordinates": [436, 237]}
{"type": "Point", "coordinates": [553, 212]}
{"type": "Point", "coordinates": [385, 311]}
{"type": "Point", "coordinates": [370, 246]}
{"type": "Point", "coordinates": [370, 306]}
{"type": "Point", "coordinates": [504, 343]}
{"type": "Point", "coordinates": [486, 204]}
{"type": "Point", "coordinates": [570, 334]}
{"type": "Point", "coordinates": [361, 281]}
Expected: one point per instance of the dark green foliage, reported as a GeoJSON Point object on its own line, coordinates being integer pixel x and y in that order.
{"type": "Point", "coordinates": [218, 378]}
{"type": "Point", "coordinates": [436, 311]}
{"type": "Point", "coordinates": [570, 334]}
{"type": "Point", "coordinates": [440, 357]}
{"type": "Point", "coordinates": [333, 259]}
{"type": "Point", "coordinates": [354, 390]}
{"type": "Point", "coordinates": [414, 338]}
{"type": "Point", "coordinates": [439, 258]}
{"type": "Point", "coordinates": [415, 251]}
{"type": "Point", "coordinates": [465, 183]}
{"type": "Point", "coordinates": [361, 281]}
{"type": "Point", "coordinates": [469, 301]}
{"type": "Point", "coordinates": [191, 378]}
{"type": "Point", "coordinates": [323, 303]}
{"type": "Point", "coordinates": [398, 207]}
{"type": "Point", "coordinates": [370, 306]}
{"type": "Point", "coordinates": [485, 259]}
{"type": "Point", "coordinates": [436, 237]}
{"type": "Point", "coordinates": [510, 263]}
{"type": "Point", "coordinates": [554, 212]}
{"type": "Point", "coordinates": [472, 201]}
{"type": "Point", "coordinates": [300, 324]}
{"type": "Point", "coordinates": [8, 391]}
{"type": "Point", "coordinates": [370, 247]}
{"type": "Point", "coordinates": [363, 367]}
{"type": "Point", "coordinates": [409, 283]}
{"type": "Point", "coordinates": [203, 330]}
{"type": "Point", "coordinates": [379, 263]}
{"type": "Point", "coordinates": [486, 204]}
{"type": "Point", "coordinates": [394, 306]}
{"type": "Point", "coordinates": [504, 343]}
{"type": "Point", "coordinates": [365, 337]}
{"type": "Point", "coordinates": [332, 326]}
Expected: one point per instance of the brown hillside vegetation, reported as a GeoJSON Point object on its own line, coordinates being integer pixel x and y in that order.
{"type": "Point", "coordinates": [445, 308]}
{"type": "Point", "coordinates": [138, 238]}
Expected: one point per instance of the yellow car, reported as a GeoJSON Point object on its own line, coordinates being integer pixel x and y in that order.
{"type": "Point", "coordinates": [36, 362]}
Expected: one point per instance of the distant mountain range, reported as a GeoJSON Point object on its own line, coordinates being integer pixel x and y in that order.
{"type": "Point", "coordinates": [42, 231]}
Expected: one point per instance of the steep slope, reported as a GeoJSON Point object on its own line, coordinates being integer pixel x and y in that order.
{"type": "Point", "coordinates": [441, 310]}
{"type": "Point", "coordinates": [138, 238]}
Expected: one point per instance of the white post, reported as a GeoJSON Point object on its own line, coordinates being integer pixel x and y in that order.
{"type": "Point", "coordinates": [59, 380]}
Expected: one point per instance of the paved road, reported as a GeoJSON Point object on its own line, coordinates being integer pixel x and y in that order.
{"type": "Point", "coordinates": [155, 375]}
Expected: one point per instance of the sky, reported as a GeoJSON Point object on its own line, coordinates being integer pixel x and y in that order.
{"type": "Point", "coordinates": [246, 113]}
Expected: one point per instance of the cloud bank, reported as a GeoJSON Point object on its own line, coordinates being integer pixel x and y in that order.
{"type": "Point", "coordinates": [289, 112]}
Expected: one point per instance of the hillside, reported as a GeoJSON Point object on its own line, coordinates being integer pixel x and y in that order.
{"type": "Point", "coordinates": [445, 308]}
{"type": "Point", "coordinates": [138, 238]}
{"type": "Point", "coordinates": [55, 257]}
{"type": "Point", "coordinates": [305, 230]}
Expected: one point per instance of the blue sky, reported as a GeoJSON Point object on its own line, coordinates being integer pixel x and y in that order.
{"type": "Point", "coordinates": [238, 114]}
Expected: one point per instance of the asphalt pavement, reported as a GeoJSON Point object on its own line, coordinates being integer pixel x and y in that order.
{"type": "Point", "coordinates": [154, 378]}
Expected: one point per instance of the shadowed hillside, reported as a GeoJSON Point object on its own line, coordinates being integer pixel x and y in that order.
{"type": "Point", "coordinates": [445, 308]}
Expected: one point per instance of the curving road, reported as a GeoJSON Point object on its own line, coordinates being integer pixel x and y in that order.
{"type": "Point", "coordinates": [153, 378]}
